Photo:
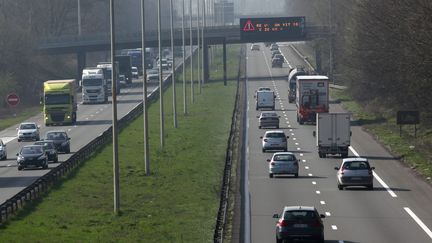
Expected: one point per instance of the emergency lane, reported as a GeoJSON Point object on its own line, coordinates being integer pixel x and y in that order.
{"type": "Point", "coordinates": [353, 215]}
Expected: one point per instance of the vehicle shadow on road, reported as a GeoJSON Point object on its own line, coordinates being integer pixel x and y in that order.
{"type": "Point", "coordinates": [299, 177]}
{"type": "Point", "coordinates": [361, 122]}
{"type": "Point", "coordinates": [128, 101]}
{"type": "Point", "coordinates": [395, 189]}
{"type": "Point", "coordinates": [337, 241]}
{"type": "Point", "coordinates": [18, 181]}
{"type": "Point", "coordinates": [94, 122]}
{"type": "Point", "coordinates": [382, 157]}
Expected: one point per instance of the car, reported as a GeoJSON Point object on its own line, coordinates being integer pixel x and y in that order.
{"type": "Point", "coordinates": [277, 62]}
{"type": "Point", "coordinates": [255, 47]}
{"type": "Point", "coordinates": [355, 172]}
{"type": "Point", "coordinates": [275, 52]}
{"type": "Point", "coordinates": [267, 44]}
{"type": "Point", "coordinates": [165, 64]}
{"type": "Point", "coordinates": [299, 223]}
{"type": "Point", "coordinates": [268, 119]}
{"type": "Point", "coordinates": [122, 80]}
{"type": "Point", "coordinates": [153, 75]}
{"type": "Point", "coordinates": [50, 149]}
{"type": "Point", "coordinates": [32, 156]}
{"type": "Point", "coordinates": [283, 163]}
{"type": "Point", "coordinates": [3, 152]}
{"type": "Point", "coordinates": [274, 46]}
{"type": "Point", "coordinates": [135, 72]}
{"type": "Point", "coordinates": [274, 140]}
{"type": "Point", "coordinates": [60, 139]}
{"type": "Point", "coordinates": [28, 131]}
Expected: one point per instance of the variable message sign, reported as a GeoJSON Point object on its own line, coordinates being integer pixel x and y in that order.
{"type": "Point", "coordinates": [272, 29]}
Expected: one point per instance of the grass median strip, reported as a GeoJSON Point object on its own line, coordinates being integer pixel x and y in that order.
{"type": "Point", "coordinates": [177, 203]}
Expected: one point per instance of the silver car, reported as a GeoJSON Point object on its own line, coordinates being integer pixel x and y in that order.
{"type": "Point", "coordinates": [274, 140]}
{"type": "Point", "coordinates": [3, 152]}
{"type": "Point", "coordinates": [355, 172]}
{"type": "Point", "coordinates": [28, 131]}
{"type": "Point", "coordinates": [283, 163]}
{"type": "Point", "coordinates": [268, 119]}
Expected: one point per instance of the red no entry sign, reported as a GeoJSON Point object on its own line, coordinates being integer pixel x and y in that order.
{"type": "Point", "coordinates": [12, 99]}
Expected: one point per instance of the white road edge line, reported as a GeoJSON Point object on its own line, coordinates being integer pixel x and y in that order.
{"type": "Point", "coordinates": [381, 181]}
{"type": "Point", "coordinates": [419, 222]}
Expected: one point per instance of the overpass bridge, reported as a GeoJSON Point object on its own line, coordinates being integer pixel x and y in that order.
{"type": "Point", "coordinates": [217, 35]}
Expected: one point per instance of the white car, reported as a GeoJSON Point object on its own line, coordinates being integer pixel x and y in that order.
{"type": "Point", "coordinates": [153, 75]}
{"type": "Point", "coordinates": [255, 47]}
{"type": "Point", "coordinates": [274, 140]}
{"type": "Point", "coordinates": [3, 152]}
{"type": "Point", "coordinates": [283, 163]}
{"type": "Point", "coordinates": [28, 131]}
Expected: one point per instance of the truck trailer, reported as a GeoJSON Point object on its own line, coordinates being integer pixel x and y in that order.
{"type": "Point", "coordinates": [60, 102]}
{"type": "Point", "coordinates": [333, 133]}
{"type": "Point", "coordinates": [312, 97]}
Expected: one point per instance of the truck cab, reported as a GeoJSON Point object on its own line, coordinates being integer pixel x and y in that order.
{"type": "Point", "coordinates": [60, 102]}
{"type": "Point", "coordinates": [94, 86]}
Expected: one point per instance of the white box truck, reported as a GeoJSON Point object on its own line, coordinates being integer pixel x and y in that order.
{"type": "Point", "coordinates": [265, 99]}
{"type": "Point", "coordinates": [333, 133]}
{"type": "Point", "coordinates": [94, 86]}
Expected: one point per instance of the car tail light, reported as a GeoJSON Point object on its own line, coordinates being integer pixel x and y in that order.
{"type": "Point", "coordinates": [316, 223]}
{"type": "Point", "coordinates": [282, 223]}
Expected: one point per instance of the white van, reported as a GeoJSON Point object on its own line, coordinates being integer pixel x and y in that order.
{"type": "Point", "coordinates": [265, 99]}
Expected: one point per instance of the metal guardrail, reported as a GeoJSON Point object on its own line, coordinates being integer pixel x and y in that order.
{"type": "Point", "coordinates": [226, 181]}
{"type": "Point", "coordinates": [11, 206]}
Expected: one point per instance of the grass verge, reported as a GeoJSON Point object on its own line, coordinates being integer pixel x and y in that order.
{"type": "Point", "coordinates": [414, 151]}
{"type": "Point", "coordinates": [10, 120]}
{"type": "Point", "coordinates": [177, 203]}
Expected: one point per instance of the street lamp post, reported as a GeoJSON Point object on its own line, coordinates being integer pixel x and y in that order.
{"type": "Point", "coordinates": [160, 78]}
{"type": "Point", "coordinates": [191, 50]}
{"type": "Point", "coordinates": [145, 113]}
{"type": "Point", "coordinates": [173, 66]}
{"type": "Point", "coordinates": [199, 46]}
{"type": "Point", "coordinates": [114, 115]}
{"type": "Point", "coordinates": [184, 59]}
{"type": "Point", "coordinates": [79, 16]}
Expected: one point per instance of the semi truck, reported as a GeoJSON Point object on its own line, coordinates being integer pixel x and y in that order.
{"type": "Point", "coordinates": [293, 73]}
{"type": "Point", "coordinates": [94, 86]}
{"type": "Point", "coordinates": [125, 67]}
{"type": "Point", "coordinates": [312, 97]}
{"type": "Point", "coordinates": [59, 102]}
{"type": "Point", "coordinates": [107, 70]}
{"type": "Point", "coordinates": [333, 133]}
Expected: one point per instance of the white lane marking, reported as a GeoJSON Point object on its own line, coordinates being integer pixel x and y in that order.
{"type": "Point", "coordinates": [289, 125]}
{"type": "Point", "coordinates": [298, 148]}
{"type": "Point", "coordinates": [307, 167]}
{"type": "Point", "coordinates": [285, 115]}
{"type": "Point", "coordinates": [294, 139]}
{"type": "Point", "coordinates": [291, 131]}
{"type": "Point", "coordinates": [328, 214]}
{"type": "Point", "coordinates": [87, 118]}
{"type": "Point", "coordinates": [301, 154]}
{"type": "Point", "coordinates": [292, 134]}
{"type": "Point", "coordinates": [286, 118]}
{"type": "Point", "coordinates": [334, 227]}
{"type": "Point", "coordinates": [310, 174]}
{"type": "Point", "coordinates": [318, 192]}
{"type": "Point", "coordinates": [322, 202]}
{"type": "Point", "coordinates": [283, 112]}
{"type": "Point", "coordinates": [419, 222]}
{"type": "Point", "coordinates": [303, 160]}
{"type": "Point", "coordinates": [7, 139]}
{"type": "Point", "coordinates": [313, 182]}
{"type": "Point", "coordinates": [381, 181]}
{"type": "Point", "coordinates": [69, 129]}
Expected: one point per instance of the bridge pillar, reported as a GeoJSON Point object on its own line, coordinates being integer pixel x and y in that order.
{"type": "Point", "coordinates": [81, 63]}
{"type": "Point", "coordinates": [224, 63]}
{"type": "Point", "coordinates": [206, 61]}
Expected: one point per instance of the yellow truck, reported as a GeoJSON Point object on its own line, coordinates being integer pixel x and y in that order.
{"type": "Point", "coordinates": [60, 102]}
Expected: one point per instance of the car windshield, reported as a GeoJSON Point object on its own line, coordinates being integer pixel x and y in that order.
{"type": "Point", "coordinates": [152, 71]}
{"type": "Point", "coordinates": [56, 136]}
{"type": "Point", "coordinates": [92, 82]}
{"type": "Point", "coordinates": [275, 135]}
{"type": "Point", "coordinates": [284, 157]}
{"type": "Point", "coordinates": [56, 99]}
{"type": "Point", "coordinates": [299, 215]}
{"type": "Point", "coordinates": [31, 150]}
{"type": "Point", "coordinates": [356, 165]}
{"type": "Point", "coordinates": [27, 126]}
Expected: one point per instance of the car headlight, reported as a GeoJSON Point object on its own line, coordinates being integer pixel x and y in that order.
{"type": "Point", "coordinates": [20, 158]}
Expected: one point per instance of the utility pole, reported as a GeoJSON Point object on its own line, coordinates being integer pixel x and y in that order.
{"type": "Point", "coordinates": [191, 51]}
{"type": "Point", "coordinates": [79, 16]}
{"type": "Point", "coordinates": [184, 59]}
{"type": "Point", "coordinates": [161, 110]}
{"type": "Point", "coordinates": [203, 43]}
{"type": "Point", "coordinates": [114, 115]}
{"type": "Point", "coordinates": [199, 47]}
{"type": "Point", "coordinates": [331, 42]}
{"type": "Point", "coordinates": [145, 105]}
{"type": "Point", "coordinates": [173, 67]}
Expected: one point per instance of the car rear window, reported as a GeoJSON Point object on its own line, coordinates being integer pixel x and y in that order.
{"type": "Point", "coordinates": [300, 214]}
{"type": "Point", "coordinates": [356, 165]}
{"type": "Point", "coordinates": [284, 157]}
{"type": "Point", "coordinates": [275, 135]}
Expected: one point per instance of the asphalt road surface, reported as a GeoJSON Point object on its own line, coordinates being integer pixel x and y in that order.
{"type": "Point", "coordinates": [397, 210]}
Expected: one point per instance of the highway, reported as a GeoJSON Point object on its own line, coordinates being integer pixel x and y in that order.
{"type": "Point", "coordinates": [92, 120]}
{"type": "Point", "coordinates": [397, 210]}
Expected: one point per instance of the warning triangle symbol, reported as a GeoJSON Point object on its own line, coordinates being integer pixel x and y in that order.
{"type": "Point", "coordinates": [248, 26]}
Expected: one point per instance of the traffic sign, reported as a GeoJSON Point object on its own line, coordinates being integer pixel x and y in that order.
{"type": "Point", "coordinates": [272, 29]}
{"type": "Point", "coordinates": [12, 99]}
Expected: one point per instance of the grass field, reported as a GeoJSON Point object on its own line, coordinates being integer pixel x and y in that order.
{"type": "Point", "coordinates": [178, 202]}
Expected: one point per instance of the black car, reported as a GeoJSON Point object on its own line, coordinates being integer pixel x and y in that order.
{"type": "Point", "coordinates": [60, 139]}
{"type": "Point", "coordinates": [32, 156]}
{"type": "Point", "coordinates": [299, 223]}
{"type": "Point", "coordinates": [49, 149]}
